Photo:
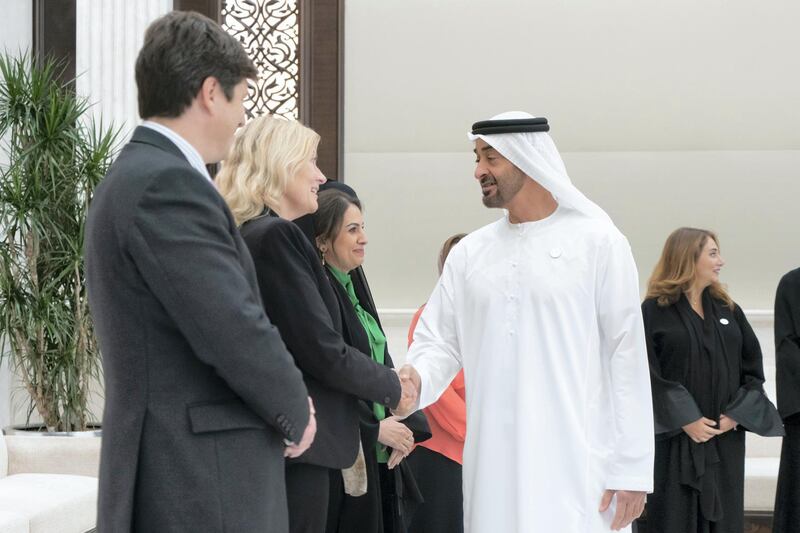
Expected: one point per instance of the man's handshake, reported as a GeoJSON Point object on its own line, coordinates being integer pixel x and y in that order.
{"type": "Point", "coordinates": [411, 386]}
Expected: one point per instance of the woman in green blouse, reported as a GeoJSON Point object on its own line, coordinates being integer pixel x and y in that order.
{"type": "Point", "coordinates": [390, 489]}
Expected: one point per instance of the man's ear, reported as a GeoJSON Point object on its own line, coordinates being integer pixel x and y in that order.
{"type": "Point", "coordinates": [210, 92]}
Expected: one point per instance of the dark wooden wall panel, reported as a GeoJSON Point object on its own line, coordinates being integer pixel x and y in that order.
{"type": "Point", "coordinates": [321, 78]}
{"type": "Point", "coordinates": [210, 8]}
{"type": "Point", "coordinates": [54, 33]}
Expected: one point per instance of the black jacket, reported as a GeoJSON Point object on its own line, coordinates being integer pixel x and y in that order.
{"type": "Point", "coordinates": [787, 346]}
{"type": "Point", "coordinates": [299, 300]}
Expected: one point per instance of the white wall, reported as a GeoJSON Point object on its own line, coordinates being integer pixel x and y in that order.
{"type": "Point", "coordinates": [16, 35]}
{"type": "Point", "coordinates": [16, 25]}
{"type": "Point", "coordinates": [109, 35]}
{"type": "Point", "coordinates": [617, 75]}
{"type": "Point", "coordinates": [680, 113]}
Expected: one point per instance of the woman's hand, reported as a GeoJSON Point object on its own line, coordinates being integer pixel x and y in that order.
{"type": "Point", "coordinates": [395, 435]}
{"type": "Point", "coordinates": [395, 459]}
{"type": "Point", "coordinates": [727, 423]}
{"type": "Point", "coordinates": [702, 430]}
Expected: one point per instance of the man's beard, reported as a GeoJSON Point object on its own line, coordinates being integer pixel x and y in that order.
{"type": "Point", "coordinates": [494, 200]}
{"type": "Point", "coordinates": [505, 189]}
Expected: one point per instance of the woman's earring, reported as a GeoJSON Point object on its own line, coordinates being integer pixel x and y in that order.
{"type": "Point", "coordinates": [322, 255]}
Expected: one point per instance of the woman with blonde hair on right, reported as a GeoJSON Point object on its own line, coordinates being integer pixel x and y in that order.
{"type": "Point", "coordinates": [707, 380]}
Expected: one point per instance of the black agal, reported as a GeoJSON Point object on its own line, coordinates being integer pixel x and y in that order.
{"type": "Point", "coordinates": [516, 125]}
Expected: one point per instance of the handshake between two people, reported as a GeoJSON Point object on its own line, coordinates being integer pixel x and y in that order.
{"type": "Point", "coordinates": [411, 385]}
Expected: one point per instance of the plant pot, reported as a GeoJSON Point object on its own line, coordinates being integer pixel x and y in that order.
{"type": "Point", "coordinates": [38, 430]}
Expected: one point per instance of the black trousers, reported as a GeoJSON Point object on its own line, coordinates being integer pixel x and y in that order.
{"type": "Point", "coordinates": [307, 492]}
{"type": "Point", "coordinates": [439, 481]}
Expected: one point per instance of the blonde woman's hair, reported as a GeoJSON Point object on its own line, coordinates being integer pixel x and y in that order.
{"type": "Point", "coordinates": [675, 271]}
{"type": "Point", "coordinates": [264, 158]}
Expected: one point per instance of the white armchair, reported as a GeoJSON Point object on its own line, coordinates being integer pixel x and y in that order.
{"type": "Point", "coordinates": [48, 484]}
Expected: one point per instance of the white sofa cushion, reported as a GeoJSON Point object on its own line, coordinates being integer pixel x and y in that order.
{"type": "Point", "coordinates": [51, 502]}
{"type": "Point", "coordinates": [13, 522]}
{"type": "Point", "coordinates": [53, 455]}
{"type": "Point", "coordinates": [760, 480]}
{"type": "Point", "coordinates": [758, 446]}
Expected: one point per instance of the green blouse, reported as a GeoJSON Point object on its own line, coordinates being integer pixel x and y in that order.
{"type": "Point", "coordinates": [377, 342]}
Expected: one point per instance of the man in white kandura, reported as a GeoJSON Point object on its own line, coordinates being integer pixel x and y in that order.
{"type": "Point", "coordinates": [541, 309]}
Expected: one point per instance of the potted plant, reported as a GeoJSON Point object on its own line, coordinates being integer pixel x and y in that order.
{"type": "Point", "coordinates": [52, 158]}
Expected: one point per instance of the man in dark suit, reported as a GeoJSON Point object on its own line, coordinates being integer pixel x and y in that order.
{"type": "Point", "coordinates": [202, 398]}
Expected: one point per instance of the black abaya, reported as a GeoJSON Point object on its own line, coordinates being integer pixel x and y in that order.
{"type": "Point", "coordinates": [703, 367]}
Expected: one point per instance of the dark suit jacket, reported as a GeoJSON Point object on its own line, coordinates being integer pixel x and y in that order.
{"type": "Point", "coordinates": [301, 302]}
{"type": "Point", "coordinates": [200, 390]}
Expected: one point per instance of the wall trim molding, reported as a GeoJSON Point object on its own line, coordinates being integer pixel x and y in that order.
{"type": "Point", "coordinates": [753, 314]}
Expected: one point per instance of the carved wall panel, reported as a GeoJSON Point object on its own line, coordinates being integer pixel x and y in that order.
{"type": "Point", "coordinates": [270, 32]}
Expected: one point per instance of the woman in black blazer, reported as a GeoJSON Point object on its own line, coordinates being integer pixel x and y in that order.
{"type": "Point", "coordinates": [269, 179]}
{"type": "Point", "coordinates": [391, 491]}
{"type": "Point", "coordinates": [707, 379]}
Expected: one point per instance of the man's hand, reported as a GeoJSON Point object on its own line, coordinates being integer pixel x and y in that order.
{"type": "Point", "coordinates": [411, 385]}
{"type": "Point", "coordinates": [630, 504]}
{"type": "Point", "coordinates": [702, 430]}
{"type": "Point", "coordinates": [727, 423]}
{"type": "Point", "coordinates": [296, 450]}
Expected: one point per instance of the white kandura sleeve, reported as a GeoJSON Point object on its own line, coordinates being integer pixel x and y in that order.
{"type": "Point", "coordinates": [623, 342]}
{"type": "Point", "coordinates": [435, 353]}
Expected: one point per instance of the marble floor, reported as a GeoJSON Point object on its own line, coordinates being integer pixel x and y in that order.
{"type": "Point", "coordinates": [753, 523]}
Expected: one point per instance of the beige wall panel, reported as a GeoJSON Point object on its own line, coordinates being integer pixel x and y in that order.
{"type": "Point", "coordinates": [615, 75]}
